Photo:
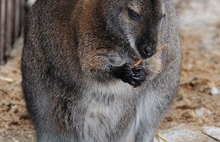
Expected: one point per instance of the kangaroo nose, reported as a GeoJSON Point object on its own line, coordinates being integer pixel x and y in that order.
{"type": "Point", "coordinates": [148, 50]}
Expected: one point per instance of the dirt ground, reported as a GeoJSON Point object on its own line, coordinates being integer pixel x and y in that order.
{"type": "Point", "coordinates": [197, 102]}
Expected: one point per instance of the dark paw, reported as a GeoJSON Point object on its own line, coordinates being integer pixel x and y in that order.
{"type": "Point", "coordinates": [133, 76]}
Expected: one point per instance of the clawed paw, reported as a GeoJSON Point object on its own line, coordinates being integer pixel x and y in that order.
{"type": "Point", "coordinates": [134, 76]}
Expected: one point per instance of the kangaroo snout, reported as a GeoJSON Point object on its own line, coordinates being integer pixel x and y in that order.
{"type": "Point", "coordinates": [146, 43]}
{"type": "Point", "coordinates": [147, 50]}
{"type": "Point", "coordinates": [147, 47]}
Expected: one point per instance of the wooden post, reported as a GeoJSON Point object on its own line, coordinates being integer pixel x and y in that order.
{"type": "Point", "coordinates": [12, 14]}
{"type": "Point", "coordinates": [2, 26]}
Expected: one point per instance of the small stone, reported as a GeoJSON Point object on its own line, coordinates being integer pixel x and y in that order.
{"type": "Point", "coordinates": [214, 91]}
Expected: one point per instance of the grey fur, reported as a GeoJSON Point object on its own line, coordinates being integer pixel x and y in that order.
{"type": "Point", "coordinates": [70, 49]}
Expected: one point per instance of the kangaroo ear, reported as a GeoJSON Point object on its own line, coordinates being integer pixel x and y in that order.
{"type": "Point", "coordinates": [159, 6]}
{"type": "Point", "coordinates": [163, 7]}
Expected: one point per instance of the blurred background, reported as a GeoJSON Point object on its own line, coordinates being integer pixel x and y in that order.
{"type": "Point", "coordinates": [195, 113]}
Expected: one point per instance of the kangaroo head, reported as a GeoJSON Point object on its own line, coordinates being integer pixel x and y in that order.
{"type": "Point", "coordinates": [137, 22]}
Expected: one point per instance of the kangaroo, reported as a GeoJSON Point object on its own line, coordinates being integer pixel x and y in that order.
{"type": "Point", "coordinates": [77, 76]}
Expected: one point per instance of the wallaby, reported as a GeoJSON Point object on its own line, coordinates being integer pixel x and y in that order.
{"type": "Point", "coordinates": [78, 81]}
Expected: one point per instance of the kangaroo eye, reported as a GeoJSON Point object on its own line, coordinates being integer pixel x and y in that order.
{"type": "Point", "coordinates": [133, 15]}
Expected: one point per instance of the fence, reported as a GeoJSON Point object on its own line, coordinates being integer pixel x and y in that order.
{"type": "Point", "coordinates": [11, 22]}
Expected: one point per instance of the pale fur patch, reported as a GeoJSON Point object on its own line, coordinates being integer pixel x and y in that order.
{"type": "Point", "coordinates": [117, 88]}
{"type": "Point", "coordinates": [134, 7]}
{"type": "Point", "coordinates": [101, 118]}
{"type": "Point", "coordinates": [131, 40]}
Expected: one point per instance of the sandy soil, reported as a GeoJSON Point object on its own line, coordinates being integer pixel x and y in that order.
{"type": "Point", "coordinates": [197, 102]}
{"type": "Point", "coordinates": [198, 98]}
